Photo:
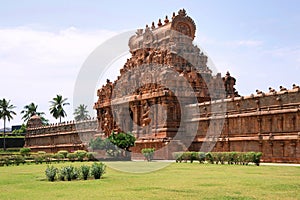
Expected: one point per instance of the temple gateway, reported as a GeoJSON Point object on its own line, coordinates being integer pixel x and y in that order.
{"type": "Point", "coordinates": [169, 98]}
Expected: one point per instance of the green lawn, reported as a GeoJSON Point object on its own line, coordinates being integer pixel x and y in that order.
{"type": "Point", "coordinates": [176, 181]}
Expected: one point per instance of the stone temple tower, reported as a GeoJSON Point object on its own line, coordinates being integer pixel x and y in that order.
{"type": "Point", "coordinates": [165, 68]}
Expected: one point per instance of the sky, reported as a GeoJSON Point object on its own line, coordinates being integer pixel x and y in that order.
{"type": "Point", "coordinates": [43, 44]}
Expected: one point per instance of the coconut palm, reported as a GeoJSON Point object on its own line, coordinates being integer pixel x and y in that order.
{"type": "Point", "coordinates": [30, 110]}
{"type": "Point", "coordinates": [6, 113]}
{"type": "Point", "coordinates": [81, 113]}
{"type": "Point", "coordinates": [56, 107]}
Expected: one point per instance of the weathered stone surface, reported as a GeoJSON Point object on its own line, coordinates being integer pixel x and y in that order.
{"type": "Point", "coordinates": [158, 93]}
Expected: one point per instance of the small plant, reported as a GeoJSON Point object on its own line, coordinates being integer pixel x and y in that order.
{"type": "Point", "coordinates": [18, 159]}
{"type": "Point", "coordinates": [91, 156]}
{"type": "Point", "coordinates": [209, 158]}
{"type": "Point", "coordinates": [38, 159]}
{"type": "Point", "coordinates": [81, 154]}
{"type": "Point", "coordinates": [25, 151]}
{"type": "Point", "coordinates": [97, 170]}
{"type": "Point", "coordinates": [148, 153]}
{"type": "Point", "coordinates": [62, 174]}
{"type": "Point", "coordinates": [72, 157]}
{"type": "Point", "coordinates": [69, 170]}
{"type": "Point", "coordinates": [63, 152]}
{"type": "Point", "coordinates": [51, 173]}
{"type": "Point", "coordinates": [59, 157]}
{"type": "Point", "coordinates": [178, 156]}
{"type": "Point", "coordinates": [256, 158]}
{"type": "Point", "coordinates": [201, 157]}
{"type": "Point", "coordinates": [85, 171]}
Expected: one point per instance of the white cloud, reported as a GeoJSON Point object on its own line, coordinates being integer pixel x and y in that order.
{"type": "Point", "coordinates": [36, 65]}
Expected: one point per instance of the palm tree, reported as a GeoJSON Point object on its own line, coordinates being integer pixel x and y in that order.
{"type": "Point", "coordinates": [6, 112]}
{"type": "Point", "coordinates": [81, 113]}
{"type": "Point", "coordinates": [56, 107]}
{"type": "Point", "coordinates": [30, 110]}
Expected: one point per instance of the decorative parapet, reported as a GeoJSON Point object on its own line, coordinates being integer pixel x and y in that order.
{"type": "Point", "coordinates": [69, 126]}
{"type": "Point", "coordinates": [272, 102]}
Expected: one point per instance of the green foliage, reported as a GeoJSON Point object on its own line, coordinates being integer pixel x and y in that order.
{"type": "Point", "coordinates": [243, 158]}
{"type": "Point", "coordinates": [31, 110]}
{"type": "Point", "coordinates": [91, 156]}
{"type": "Point", "coordinates": [18, 159]}
{"type": "Point", "coordinates": [6, 112]}
{"type": "Point", "coordinates": [56, 107]}
{"type": "Point", "coordinates": [97, 170]}
{"type": "Point", "coordinates": [148, 153]}
{"type": "Point", "coordinates": [81, 113]}
{"type": "Point", "coordinates": [59, 157]}
{"type": "Point", "coordinates": [80, 154]}
{"type": "Point", "coordinates": [51, 172]}
{"type": "Point", "coordinates": [63, 152]}
{"type": "Point", "coordinates": [20, 131]}
{"type": "Point", "coordinates": [96, 144]}
{"type": "Point", "coordinates": [122, 140]}
{"type": "Point", "coordinates": [25, 151]}
{"type": "Point", "coordinates": [115, 144]}
{"type": "Point", "coordinates": [85, 171]}
{"type": "Point", "coordinates": [72, 156]}
{"type": "Point", "coordinates": [70, 173]}
{"type": "Point", "coordinates": [38, 159]}
{"type": "Point", "coordinates": [62, 173]}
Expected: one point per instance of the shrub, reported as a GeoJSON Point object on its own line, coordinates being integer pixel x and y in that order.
{"type": "Point", "coordinates": [256, 158]}
{"type": "Point", "coordinates": [97, 170]}
{"type": "Point", "coordinates": [148, 153]}
{"type": "Point", "coordinates": [63, 152]}
{"type": "Point", "coordinates": [209, 158]}
{"type": "Point", "coordinates": [85, 171]}
{"type": "Point", "coordinates": [7, 161]}
{"type": "Point", "coordinates": [38, 159]}
{"type": "Point", "coordinates": [178, 156]}
{"type": "Point", "coordinates": [91, 156]}
{"type": "Point", "coordinates": [80, 154]}
{"type": "Point", "coordinates": [62, 174]}
{"type": "Point", "coordinates": [59, 157]}
{"type": "Point", "coordinates": [201, 157]}
{"type": "Point", "coordinates": [69, 172]}
{"type": "Point", "coordinates": [72, 157]}
{"type": "Point", "coordinates": [18, 159]}
{"type": "Point", "coordinates": [25, 151]}
{"type": "Point", "coordinates": [51, 173]}
{"type": "Point", "coordinates": [41, 152]}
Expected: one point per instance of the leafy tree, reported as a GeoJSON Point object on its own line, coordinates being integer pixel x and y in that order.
{"type": "Point", "coordinates": [31, 110]}
{"type": "Point", "coordinates": [81, 113]}
{"type": "Point", "coordinates": [56, 107]}
{"type": "Point", "coordinates": [122, 140]}
{"type": "Point", "coordinates": [6, 112]}
{"type": "Point", "coordinates": [20, 131]}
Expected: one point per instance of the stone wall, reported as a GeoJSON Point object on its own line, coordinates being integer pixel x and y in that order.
{"type": "Point", "coordinates": [264, 122]}
{"type": "Point", "coordinates": [69, 136]}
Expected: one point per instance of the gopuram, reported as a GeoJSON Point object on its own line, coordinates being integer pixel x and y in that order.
{"type": "Point", "coordinates": [169, 98]}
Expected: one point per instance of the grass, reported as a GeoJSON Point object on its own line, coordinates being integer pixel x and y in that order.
{"type": "Point", "coordinates": [176, 181]}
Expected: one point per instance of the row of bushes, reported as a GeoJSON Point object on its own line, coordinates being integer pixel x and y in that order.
{"type": "Point", "coordinates": [242, 158]}
{"type": "Point", "coordinates": [72, 173]}
{"type": "Point", "coordinates": [42, 156]}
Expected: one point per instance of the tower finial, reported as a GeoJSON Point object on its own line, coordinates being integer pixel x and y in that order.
{"type": "Point", "coordinates": [166, 20]}
{"type": "Point", "coordinates": [159, 23]}
{"type": "Point", "coordinates": [153, 25]}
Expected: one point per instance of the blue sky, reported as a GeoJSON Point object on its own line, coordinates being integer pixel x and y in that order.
{"type": "Point", "coordinates": [44, 43]}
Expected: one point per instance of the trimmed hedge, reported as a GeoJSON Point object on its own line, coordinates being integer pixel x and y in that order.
{"type": "Point", "coordinates": [242, 158]}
